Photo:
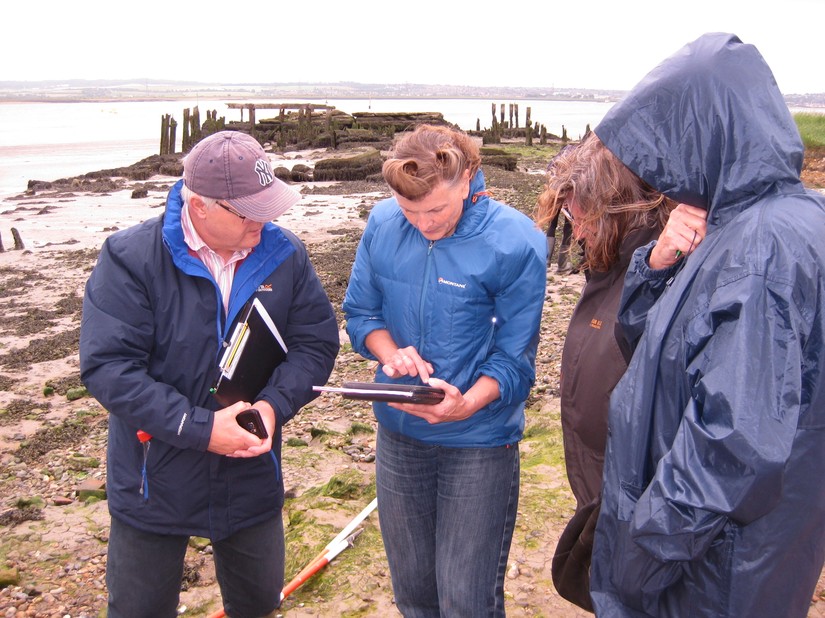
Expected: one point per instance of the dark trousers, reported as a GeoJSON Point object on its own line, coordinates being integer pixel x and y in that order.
{"type": "Point", "coordinates": [144, 571]}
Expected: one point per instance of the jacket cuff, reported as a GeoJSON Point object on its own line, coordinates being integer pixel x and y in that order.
{"type": "Point", "coordinates": [201, 425]}
{"type": "Point", "coordinates": [642, 267]}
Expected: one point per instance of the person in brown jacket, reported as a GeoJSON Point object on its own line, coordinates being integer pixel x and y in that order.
{"type": "Point", "coordinates": [613, 212]}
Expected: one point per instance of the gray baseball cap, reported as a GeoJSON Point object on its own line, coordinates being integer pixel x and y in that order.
{"type": "Point", "coordinates": [231, 166]}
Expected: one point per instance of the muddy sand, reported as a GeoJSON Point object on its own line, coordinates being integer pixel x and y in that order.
{"type": "Point", "coordinates": [53, 520]}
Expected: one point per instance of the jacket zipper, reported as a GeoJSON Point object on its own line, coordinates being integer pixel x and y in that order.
{"type": "Point", "coordinates": [421, 304]}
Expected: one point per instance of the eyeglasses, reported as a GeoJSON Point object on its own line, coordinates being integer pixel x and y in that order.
{"type": "Point", "coordinates": [567, 214]}
{"type": "Point", "coordinates": [233, 211]}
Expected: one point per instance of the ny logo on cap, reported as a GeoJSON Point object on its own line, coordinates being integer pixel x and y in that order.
{"type": "Point", "coordinates": [264, 171]}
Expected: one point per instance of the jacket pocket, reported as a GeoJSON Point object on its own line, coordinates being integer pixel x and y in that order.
{"type": "Point", "coordinates": [639, 577]}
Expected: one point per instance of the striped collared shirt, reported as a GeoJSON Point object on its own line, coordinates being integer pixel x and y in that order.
{"type": "Point", "coordinates": [222, 271]}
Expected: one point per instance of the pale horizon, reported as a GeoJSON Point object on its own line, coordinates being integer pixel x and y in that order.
{"type": "Point", "coordinates": [589, 45]}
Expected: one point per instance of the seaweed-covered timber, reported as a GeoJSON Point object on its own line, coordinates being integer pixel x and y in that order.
{"type": "Point", "coordinates": [310, 125]}
{"type": "Point", "coordinates": [299, 126]}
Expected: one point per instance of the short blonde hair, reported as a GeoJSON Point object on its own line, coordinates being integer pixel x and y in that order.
{"type": "Point", "coordinates": [427, 157]}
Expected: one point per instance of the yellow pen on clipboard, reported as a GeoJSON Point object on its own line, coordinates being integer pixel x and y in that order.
{"type": "Point", "coordinates": [227, 366]}
{"type": "Point", "coordinates": [236, 344]}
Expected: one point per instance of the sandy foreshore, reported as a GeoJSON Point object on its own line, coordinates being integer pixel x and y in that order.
{"type": "Point", "coordinates": [52, 445]}
{"type": "Point", "coordinates": [65, 218]}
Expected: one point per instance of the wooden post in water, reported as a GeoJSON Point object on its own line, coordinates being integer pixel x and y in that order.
{"type": "Point", "coordinates": [543, 139]}
{"type": "Point", "coordinates": [195, 129]}
{"type": "Point", "coordinates": [282, 134]}
{"type": "Point", "coordinates": [528, 130]}
{"type": "Point", "coordinates": [173, 125]}
{"type": "Point", "coordinates": [251, 108]}
{"type": "Point", "coordinates": [516, 106]}
{"type": "Point", "coordinates": [511, 115]}
{"type": "Point", "coordinates": [164, 134]}
{"type": "Point", "coordinates": [331, 130]}
{"type": "Point", "coordinates": [186, 138]}
{"type": "Point", "coordinates": [494, 116]}
{"type": "Point", "coordinates": [502, 114]}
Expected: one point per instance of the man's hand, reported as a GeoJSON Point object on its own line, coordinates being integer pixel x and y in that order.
{"type": "Point", "coordinates": [229, 438]}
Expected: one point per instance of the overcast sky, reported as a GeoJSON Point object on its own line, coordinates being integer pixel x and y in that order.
{"type": "Point", "coordinates": [600, 44]}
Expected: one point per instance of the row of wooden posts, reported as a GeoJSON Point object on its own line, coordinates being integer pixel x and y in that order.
{"type": "Point", "coordinates": [192, 129]}
{"type": "Point", "coordinates": [530, 131]}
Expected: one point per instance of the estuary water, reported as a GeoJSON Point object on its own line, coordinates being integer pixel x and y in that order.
{"type": "Point", "coordinates": [48, 141]}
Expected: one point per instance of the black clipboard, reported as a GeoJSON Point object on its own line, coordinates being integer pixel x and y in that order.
{"type": "Point", "coordinates": [397, 393]}
{"type": "Point", "coordinates": [255, 349]}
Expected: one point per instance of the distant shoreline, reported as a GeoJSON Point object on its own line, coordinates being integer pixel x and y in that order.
{"type": "Point", "coordinates": [812, 102]}
{"type": "Point", "coordinates": [250, 96]}
{"type": "Point", "coordinates": [151, 90]}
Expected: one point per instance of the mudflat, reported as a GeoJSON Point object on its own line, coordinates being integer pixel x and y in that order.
{"type": "Point", "coordinates": [53, 516]}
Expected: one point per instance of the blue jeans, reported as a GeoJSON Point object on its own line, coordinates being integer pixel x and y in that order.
{"type": "Point", "coordinates": [144, 571]}
{"type": "Point", "coordinates": [447, 517]}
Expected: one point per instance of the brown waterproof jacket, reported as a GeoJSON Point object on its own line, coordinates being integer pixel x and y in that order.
{"type": "Point", "coordinates": [595, 356]}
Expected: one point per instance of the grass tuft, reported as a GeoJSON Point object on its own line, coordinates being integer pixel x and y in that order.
{"type": "Point", "coordinates": [811, 129]}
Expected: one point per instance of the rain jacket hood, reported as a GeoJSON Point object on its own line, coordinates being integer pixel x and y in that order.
{"type": "Point", "coordinates": [712, 481]}
{"type": "Point", "coordinates": [708, 127]}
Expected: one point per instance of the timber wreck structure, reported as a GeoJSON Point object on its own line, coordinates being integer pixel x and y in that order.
{"type": "Point", "coordinates": [302, 126]}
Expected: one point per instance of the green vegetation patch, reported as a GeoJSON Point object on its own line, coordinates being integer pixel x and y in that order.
{"type": "Point", "coordinates": [360, 428]}
{"type": "Point", "coordinates": [811, 129]}
{"type": "Point", "coordinates": [349, 485]}
{"type": "Point", "coordinates": [546, 499]}
{"type": "Point", "coordinates": [543, 445]}
{"type": "Point", "coordinates": [359, 570]}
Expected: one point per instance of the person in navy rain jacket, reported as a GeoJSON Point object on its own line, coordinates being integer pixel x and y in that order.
{"type": "Point", "coordinates": [713, 502]}
{"type": "Point", "coordinates": [158, 309]}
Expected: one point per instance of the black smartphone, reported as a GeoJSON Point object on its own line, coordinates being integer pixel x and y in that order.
{"type": "Point", "coordinates": [251, 421]}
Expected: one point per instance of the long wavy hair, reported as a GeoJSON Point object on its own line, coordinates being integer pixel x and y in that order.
{"type": "Point", "coordinates": [428, 156]}
{"type": "Point", "coordinates": [615, 201]}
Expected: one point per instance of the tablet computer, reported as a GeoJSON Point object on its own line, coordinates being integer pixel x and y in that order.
{"type": "Point", "coordinates": [397, 393]}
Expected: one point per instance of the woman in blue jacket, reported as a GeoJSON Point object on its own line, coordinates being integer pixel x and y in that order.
{"type": "Point", "coordinates": [447, 289]}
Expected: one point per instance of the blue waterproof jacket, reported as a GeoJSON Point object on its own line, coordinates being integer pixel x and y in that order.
{"type": "Point", "coordinates": [152, 330]}
{"type": "Point", "coordinates": [713, 500]}
{"type": "Point", "coordinates": [470, 304]}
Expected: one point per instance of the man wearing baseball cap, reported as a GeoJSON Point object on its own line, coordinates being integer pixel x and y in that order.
{"type": "Point", "coordinates": [159, 309]}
